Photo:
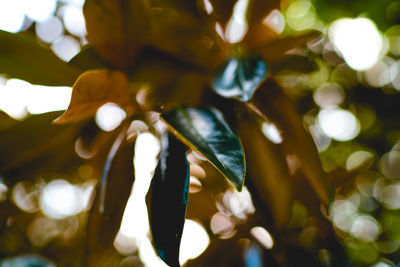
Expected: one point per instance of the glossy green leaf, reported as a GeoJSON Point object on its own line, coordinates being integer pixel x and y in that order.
{"type": "Point", "coordinates": [88, 59]}
{"type": "Point", "coordinates": [206, 131]}
{"type": "Point", "coordinates": [239, 78]}
{"type": "Point", "coordinates": [167, 199]}
{"type": "Point", "coordinates": [23, 58]}
{"type": "Point", "coordinates": [103, 227]}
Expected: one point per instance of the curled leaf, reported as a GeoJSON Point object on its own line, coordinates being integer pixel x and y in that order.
{"type": "Point", "coordinates": [92, 90]}
{"type": "Point", "coordinates": [239, 78]}
{"type": "Point", "coordinates": [167, 199]}
{"type": "Point", "coordinates": [206, 131]}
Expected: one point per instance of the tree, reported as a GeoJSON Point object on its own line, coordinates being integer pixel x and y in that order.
{"type": "Point", "coordinates": [186, 66]}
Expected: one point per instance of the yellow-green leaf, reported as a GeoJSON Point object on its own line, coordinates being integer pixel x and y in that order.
{"type": "Point", "coordinates": [92, 90]}
{"type": "Point", "coordinates": [206, 131]}
{"type": "Point", "coordinates": [23, 58]}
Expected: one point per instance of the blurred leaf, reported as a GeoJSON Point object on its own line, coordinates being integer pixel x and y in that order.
{"type": "Point", "coordinates": [117, 29]}
{"type": "Point", "coordinates": [259, 9]}
{"type": "Point", "coordinates": [29, 260]}
{"type": "Point", "coordinates": [93, 89]}
{"type": "Point", "coordinates": [112, 154]}
{"type": "Point", "coordinates": [275, 50]}
{"type": "Point", "coordinates": [29, 143]}
{"type": "Point", "coordinates": [189, 6]}
{"type": "Point", "coordinates": [6, 121]}
{"type": "Point", "coordinates": [239, 78]}
{"type": "Point", "coordinates": [223, 10]}
{"type": "Point", "coordinates": [294, 63]}
{"type": "Point", "coordinates": [88, 59]}
{"type": "Point", "coordinates": [206, 131]}
{"type": "Point", "coordinates": [101, 230]}
{"type": "Point", "coordinates": [267, 169]}
{"type": "Point", "coordinates": [167, 199]}
{"type": "Point", "coordinates": [186, 37]}
{"type": "Point", "coordinates": [166, 82]}
{"type": "Point", "coordinates": [23, 58]}
{"type": "Point", "coordinates": [272, 103]}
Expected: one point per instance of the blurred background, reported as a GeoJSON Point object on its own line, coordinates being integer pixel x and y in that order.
{"type": "Point", "coordinates": [350, 104]}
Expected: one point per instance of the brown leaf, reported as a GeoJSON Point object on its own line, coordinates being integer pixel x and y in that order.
{"type": "Point", "coordinates": [35, 144]}
{"type": "Point", "coordinates": [117, 29]}
{"type": "Point", "coordinates": [187, 38]}
{"type": "Point", "coordinates": [271, 103]}
{"type": "Point", "coordinates": [102, 229]}
{"type": "Point", "coordinates": [92, 90]}
{"type": "Point", "coordinates": [267, 169]}
{"type": "Point", "coordinates": [259, 9]}
{"type": "Point", "coordinates": [167, 83]}
{"type": "Point", "coordinates": [275, 50]}
{"type": "Point", "coordinates": [223, 10]}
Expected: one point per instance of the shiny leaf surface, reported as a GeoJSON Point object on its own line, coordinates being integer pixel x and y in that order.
{"type": "Point", "coordinates": [102, 228]}
{"type": "Point", "coordinates": [239, 78]}
{"type": "Point", "coordinates": [23, 58]}
{"type": "Point", "coordinates": [267, 169]}
{"type": "Point", "coordinates": [206, 131]}
{"type": "Point", "coordinates": [94, 89]}
{"type": "Point", "coordinates": [167, 199]}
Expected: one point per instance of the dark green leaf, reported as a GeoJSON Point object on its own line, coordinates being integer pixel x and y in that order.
{"type": "Point", "coordinates": [167, 199]}
{"type": "Point", "coordinates": [23, 58]}
{"type": "Point", "coordinates": [88, 59]}
{"type": "Point", "coordinates": [206, 131]}
{"type": "Point", "coordinates": [239, 78]}
{"type": "Point", "coordinates": [101, 230]}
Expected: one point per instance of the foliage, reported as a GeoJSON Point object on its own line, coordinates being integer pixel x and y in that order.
{"type": "Point", "coordinates": [167, 65]}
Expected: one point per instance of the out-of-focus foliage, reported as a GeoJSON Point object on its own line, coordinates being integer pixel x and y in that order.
{"type": "Point", "coordinates": [295, 102]}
